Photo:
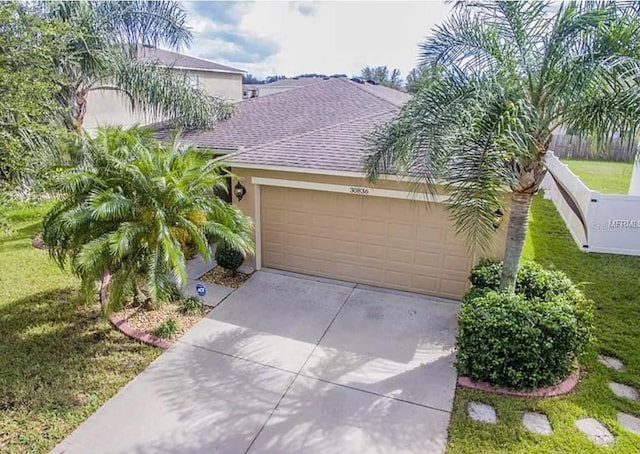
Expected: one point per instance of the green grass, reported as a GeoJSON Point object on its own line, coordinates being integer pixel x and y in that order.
{"type": "Point", "coordinates": [58, 361]}
{"type": "Point", "coordinates": [603, 176]}
{"type": "Point", "coordinates": [613, 282]}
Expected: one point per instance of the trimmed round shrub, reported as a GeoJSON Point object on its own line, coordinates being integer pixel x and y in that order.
{"type": "Point", "coordinates": [229, 257]}
{"type": "Point", "coordinates": [507, 340]}
{"type": "Point", "coordinates": [533, 280]}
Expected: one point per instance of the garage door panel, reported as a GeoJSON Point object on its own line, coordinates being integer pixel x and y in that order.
{"type": "Point", "coordinates": [372, 240]}
{"type": "Point", "coordinates": [373, 251]}
{"type": "Point", "coordinates": [430, 234]}
{"type": "Point", "coordinates": [400, 255]}
{"type": "Point", "coordinates": [402, 230]}
{"type": "Point", "coordinates": [454, 263]}
{"type": "Point", "coordinates": [374, 227]}
{"type": "Point", "coordinates": [374, 205]}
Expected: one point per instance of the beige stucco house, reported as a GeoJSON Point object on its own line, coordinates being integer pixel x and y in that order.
{"type": "Point", "coordinates": [108, 106]}
{"type": "Point", "coordinates": [298, 155]}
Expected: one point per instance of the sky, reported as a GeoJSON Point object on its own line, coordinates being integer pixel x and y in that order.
{"type": "Point", "coordinates": [329, 37]}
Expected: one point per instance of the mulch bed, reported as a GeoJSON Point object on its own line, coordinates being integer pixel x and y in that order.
{"type": "Point", "coordinates": [220, 276]}
{"type": "Point", "coordinates": [148, 320]}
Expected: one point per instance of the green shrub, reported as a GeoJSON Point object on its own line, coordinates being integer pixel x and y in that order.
{"type": "Point", "coordinates": [486, 274]}
{"type": "Point", "coordinates": [533, 280]}
{"type": "Point", "coordinates": [229, 257]}
{"type": "Point", "coordinates": [507, 340]}
{"type": "Point", "coordinates": [191, 306]}
{"type": "Point", "coordinates": [166, 329]}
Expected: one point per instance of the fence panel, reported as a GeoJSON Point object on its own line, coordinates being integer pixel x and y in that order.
{"type": "Point", "coordinates": [597, 222]}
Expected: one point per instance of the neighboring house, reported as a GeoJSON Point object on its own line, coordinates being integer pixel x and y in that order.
{"type": "Point", "coordinates": [113, 107]}
{"type": "Point", "coordinates": [298, 155]}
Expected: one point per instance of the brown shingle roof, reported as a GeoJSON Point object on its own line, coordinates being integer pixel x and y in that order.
{"type": "Point", "coordinates": [337, 147]}
{"type": "Point", "coordinates": [288, 83]}
{"type": "Point", "coordinates": [320, 126]}
{"type": "Point", "coordinates": [169, 58]}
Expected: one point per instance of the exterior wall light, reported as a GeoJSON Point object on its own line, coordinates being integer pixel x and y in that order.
{"type": "Point", "coordinates": [498, 220]}
{"type": "Point", "coordinates": [239, 191]}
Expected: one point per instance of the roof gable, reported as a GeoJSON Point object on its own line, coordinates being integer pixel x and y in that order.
{"type": "Point", "coordinates": [168, 58]}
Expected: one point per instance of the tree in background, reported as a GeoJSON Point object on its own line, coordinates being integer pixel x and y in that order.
{"type": "Point", "coordinates": [414, 78]}
{"type": "Point", "coordinates": [502, 77]}
{"type": "Point", "coordinates": [383, 76]}
{"type": "Point", "coordinates": [126, 213]}
{"type": "Point", "coordinates": [105, 50]}
{"type": "Point", "coordinates": [29, 83]}
{"type": "Point", "coordinates": [271, 79]}
{"type": "Point", "coordinates": [251, 79]}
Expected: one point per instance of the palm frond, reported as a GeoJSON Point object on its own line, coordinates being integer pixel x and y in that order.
{"type": "Point", "coordinates": [162, 92]}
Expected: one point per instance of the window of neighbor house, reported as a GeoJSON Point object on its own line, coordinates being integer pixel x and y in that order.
{"type": "Point", "coordinates": [194, 80]}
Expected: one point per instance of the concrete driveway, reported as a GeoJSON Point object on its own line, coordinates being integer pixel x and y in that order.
{"type": "Point", "coordinates": [291, 364]}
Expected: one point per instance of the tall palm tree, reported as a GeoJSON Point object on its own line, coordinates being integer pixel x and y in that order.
{"type": "Point", "coordinates": [104, 56]}
{"type": "Point", "coordinates": [127, 211]}
{"type": "Point", "coordinates": [504, 76]}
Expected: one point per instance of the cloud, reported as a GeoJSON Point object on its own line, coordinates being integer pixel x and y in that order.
{"type": "Point", "coordinates": [240, 47]}
{"type": "Point", "coordinates": [304, 8]}
{"type": "Point", "coordinates": [270, 37]}
{"type": "Point", "coordinates": [219, 36]}
{"type": "Point", "coordinates": [219, 12]}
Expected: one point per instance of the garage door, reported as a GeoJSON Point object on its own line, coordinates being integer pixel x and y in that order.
{"type": "Point", "coordinates": [380, 241]}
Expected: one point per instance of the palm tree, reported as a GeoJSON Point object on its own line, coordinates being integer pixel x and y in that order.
{"type": "Point", "coordinates": [127, 211]}
{"type": "Point", "coordinates": [503, 77]}
{"type": "Point", "coordinates": [104, 56]}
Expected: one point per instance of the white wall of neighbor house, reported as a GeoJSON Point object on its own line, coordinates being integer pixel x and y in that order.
{"type": "Point", "coordinates": [109, 107]}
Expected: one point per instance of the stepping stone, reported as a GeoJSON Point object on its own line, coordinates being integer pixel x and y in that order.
{"type": "Point", "coordinates": [631, 423]}
{"type": "Point", "coordinates": [536, 423]}
{"type": "Point", "coordinates": [482, 412]}
{"type": "Point", "coordinates": [596, 432]}
{"type": "Point", "coordinates": [611, 362]}
{"type": "Point", "coordinates": [623, 391]}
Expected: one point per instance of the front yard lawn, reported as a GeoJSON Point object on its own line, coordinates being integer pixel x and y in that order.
{"type": "Point", "coordinates": [58, 362]}
{"type": "Point", "coordinates": [603, 176]}
{"type": "Point", "coordinates": [613, 282]}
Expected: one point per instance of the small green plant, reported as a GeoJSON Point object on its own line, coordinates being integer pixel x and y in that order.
{"type": "Point", "coordinates": [191, 306]}
{"type": "Point", "coordinates": [166, 329]}
{"type": "Point", "coordinates": [229, 257]}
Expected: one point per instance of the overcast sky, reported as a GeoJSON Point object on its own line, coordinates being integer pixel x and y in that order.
{"type": "Point", "coordinates": [278, 37]}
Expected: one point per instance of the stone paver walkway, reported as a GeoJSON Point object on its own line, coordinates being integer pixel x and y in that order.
{"type": "Point", "coordinates": [537, 423]}
{"type": "Point", "coordinates": [623, 391]}
{"type": "Point", "coordinates": [611, 362]}
{"type": "Point", "coordinates": [482, 412]}
{"type": "Point", "coordinates": [595, 431]}
{"type": "Point", "coordinates": [629, 422]}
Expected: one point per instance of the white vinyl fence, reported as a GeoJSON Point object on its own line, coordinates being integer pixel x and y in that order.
{"type": "Point", "coordinates": [597, 222]}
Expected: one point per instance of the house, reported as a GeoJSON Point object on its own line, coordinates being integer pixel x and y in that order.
{"type": "Point", "coordinates": [298, 156]}
{"type": "Point", "coordinates": [112, 107]}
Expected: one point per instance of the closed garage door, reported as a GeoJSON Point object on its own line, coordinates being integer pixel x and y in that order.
{"type": "Point", "coordinates": [386, 242]}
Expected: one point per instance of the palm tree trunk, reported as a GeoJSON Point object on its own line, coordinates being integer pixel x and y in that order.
{"type": "Point", "coordinates": [516, 233]}
{"type": "Point", "coordinates": [80, 108]}
{"type": "Point", "coordinates": [104, 285]}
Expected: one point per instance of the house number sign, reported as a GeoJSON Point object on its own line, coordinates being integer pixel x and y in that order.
{"type": "Point", "coordinates": [358, 190]}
